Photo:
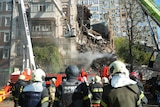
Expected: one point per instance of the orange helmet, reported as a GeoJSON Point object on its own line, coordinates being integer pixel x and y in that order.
{"type": "Point", "coordinates": [27, 72]}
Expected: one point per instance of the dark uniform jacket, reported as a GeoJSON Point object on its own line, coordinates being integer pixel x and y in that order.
{"type": "Point", "coordinates": [17, 88]}
{"type": "Point", "coordinates": [125, 96]}
{"type": "Point", "coordinates": [72, 93]}
{"type": "Point", "coordinates": [34, 95]}
{"type": "Point", "coordinates": [96, 90]}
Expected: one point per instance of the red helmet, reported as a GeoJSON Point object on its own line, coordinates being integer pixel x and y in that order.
{"type": "Point", "coordinates": [135, 74]}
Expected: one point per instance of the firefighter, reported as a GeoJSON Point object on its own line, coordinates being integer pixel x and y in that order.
{"type": "Point", "coordinates": [52, 91]}
{"type": "Point", "coordinates": [134, 76]}
{"type": "Point", "coordinates": [96, 89]}
{"type": "Point", "coordinates": [92, 81]}
{"type": "Point", "coordinates": [35, 94]}
{"type": "Point", "coordinates": [122, 91]}
{"type": "Point", "coordinates": [17, 89]}
{"type": "Point", "coordinates": [72, 92]}
{"type": "Point", "coordinates": [105, 81]}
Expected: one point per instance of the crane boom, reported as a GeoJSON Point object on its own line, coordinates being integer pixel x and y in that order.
{"type": "Point", "coordinates": [152, 9]}
{"type": "Point", "coordinates": [29, 60]}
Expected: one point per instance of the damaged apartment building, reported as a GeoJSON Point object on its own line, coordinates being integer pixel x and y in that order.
{"type": "Point", "coordinates": [49, 21]}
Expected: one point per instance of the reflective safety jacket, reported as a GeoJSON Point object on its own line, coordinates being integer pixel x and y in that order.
{"type": "Point", "coordinates": [126, 96]}
{"type": "Point", "coordinates": [96, 89]}
{"type": "Point", "coordinates": [34, 95]}
{"type": "Point", "coordinates": [72, 93]}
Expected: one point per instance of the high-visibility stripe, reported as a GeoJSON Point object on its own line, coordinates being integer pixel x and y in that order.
{"type": "Point", "coordinates": [97, 90]}
{"type": "Point", "coordinates": [45, 99]}
{"type": "Point", "coordinates": [96, 101]}
{"type": "Point", "coordinates": [56, 99]}
{"type": "Point", "coordinates": [103, 103]}
{"type": "Point", "coordinates": [21, 89]}
{"type": "Point", "coordinates": [13, 89]}
{"type": "Point", "coordinates": [86, 97]}
{"type": "Point", "coordinates": [140, 98]}
{"type": "Point", "coordinates": [90, 95]}
{"type": "Point", "coordinates": [15, 98]}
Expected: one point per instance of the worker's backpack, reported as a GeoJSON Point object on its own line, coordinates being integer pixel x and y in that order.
{"type": "Point", "coordinates": [71, 94]}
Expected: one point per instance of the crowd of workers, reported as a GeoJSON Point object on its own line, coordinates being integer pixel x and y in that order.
{"type": "Point", "coordinates": [120, 89]}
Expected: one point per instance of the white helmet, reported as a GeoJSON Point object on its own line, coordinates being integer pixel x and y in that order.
{"type": "Point", "coordinates": [53, 80]}
{"type": "Point", "coordinates": [97, 78]}
{"type": "Point", "coordinates": [93, 79]}
{"type": "Point", "coordinates": [118, 67]}
{"type": "Point", "coordinates": [21, 77]}
{"type": "Point", "coordinates": [39, 75]}
{"type": "Point", "coordinates": [85, 79]}
{"type": "Point", "coordinates": [105, 80]}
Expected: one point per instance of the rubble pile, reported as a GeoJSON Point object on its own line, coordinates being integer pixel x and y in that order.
{"type": "Point", "coordinates": [99, 63]}
{"type": "Point", "coordinates": [88, 43]}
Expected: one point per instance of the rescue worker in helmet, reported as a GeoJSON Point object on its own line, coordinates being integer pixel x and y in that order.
{"type": "Point", "coordinates": [134, 76]}
{"type": "Point", "coordinates": [96, 89]}
{"type": "Point", "coordinates": [122, 91]}
{"type": "Point", "coordinates": [72, 92]}
{"type": "Point", "coordinates": [105, 81]}
{"type": "Point", "coordinates": [52, 91]}
{"type": "Point", "coordinates": [35, 94]}
{"type": "Point", "coordinates": [92, 81]}
{"type": "Point", "coordinates": [17, 89]}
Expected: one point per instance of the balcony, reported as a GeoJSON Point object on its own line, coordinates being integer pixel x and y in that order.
{"type": "Point", "coordinates": [42, 34]}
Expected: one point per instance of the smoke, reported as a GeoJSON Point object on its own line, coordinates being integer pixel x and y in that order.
{"type": "Point", "coordinates": [87, 58]}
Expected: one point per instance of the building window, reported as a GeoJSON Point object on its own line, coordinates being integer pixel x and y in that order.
{"type": "Point", "coordinates": [6, 37]}
{"type": "Point", "coordinates": [0, 6]}
{"type": "Point", "coordinates": [5, 53]}
{"type": "Point", "coordinates": [7, 21]}
{"type": "Point", "coordinates": [90, 2]}
{"type": "Point", "coordinates": [42, 7]}
{"type": "Point", "coordinates": [95, 16]}
{"type": "Point", "coordinates": [94, 8]}
{"type": "Point", "coordinates": [34, 8]}
{"type": "Point", "coordinates": [95, 1]}
{"type": "Point", "coordinates": [8, 6]}
{"type": "Point", "coordinates": [49, 7]}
